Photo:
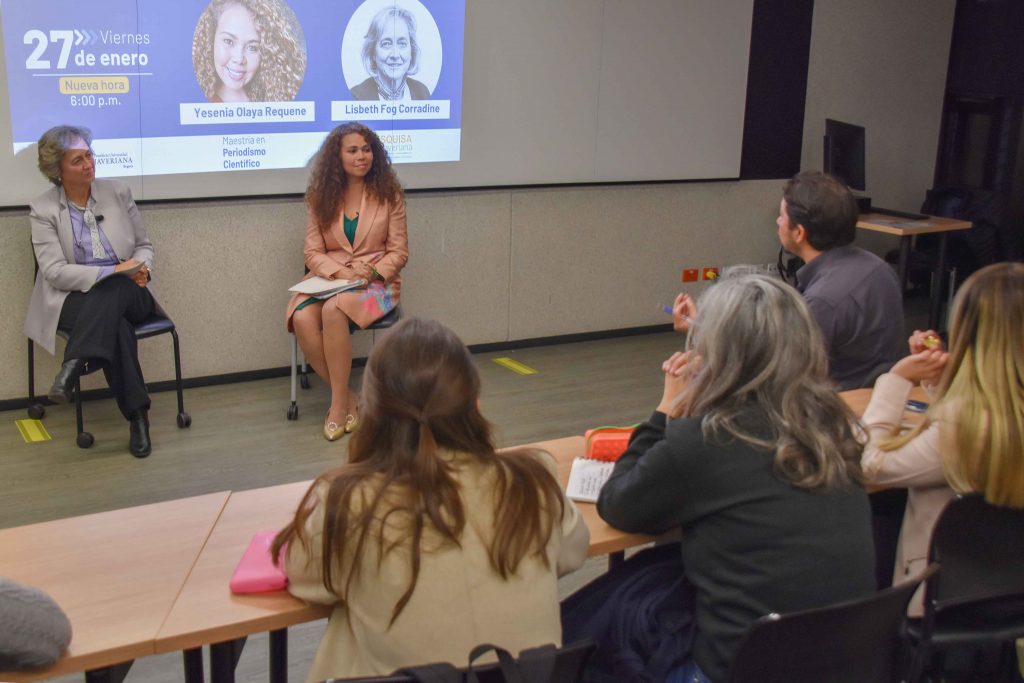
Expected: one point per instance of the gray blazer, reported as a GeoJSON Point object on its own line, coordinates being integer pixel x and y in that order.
{"type": "Point", "coordinates": [53, 242]}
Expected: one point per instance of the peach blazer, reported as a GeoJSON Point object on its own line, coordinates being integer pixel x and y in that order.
{"type": "Point", "coordinates": [381, 239]}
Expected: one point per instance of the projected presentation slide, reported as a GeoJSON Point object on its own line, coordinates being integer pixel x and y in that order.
{"type": "Point", "coordinates": [192, 86]}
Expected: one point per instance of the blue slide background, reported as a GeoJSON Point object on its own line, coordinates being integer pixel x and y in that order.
{"type": "Point", "coordinates": [151, 107]}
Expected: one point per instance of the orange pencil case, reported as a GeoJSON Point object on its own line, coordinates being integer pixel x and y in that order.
{"type": "Point", "coordinates": [607, 443]}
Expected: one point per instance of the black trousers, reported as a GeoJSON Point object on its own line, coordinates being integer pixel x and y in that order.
{"type": "Point", "coordinates": [101, 322]}
{"type": "Point", "coordinates": [887, 508]}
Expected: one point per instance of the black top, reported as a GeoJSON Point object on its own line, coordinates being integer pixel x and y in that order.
{"type": "Point", "coordinates": [855, 298]}
{"type": "Point", "coordinates": [751, 543]}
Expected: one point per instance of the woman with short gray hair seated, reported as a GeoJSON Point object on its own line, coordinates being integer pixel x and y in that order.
{"type": "Point", "coordinates": [95, 263]}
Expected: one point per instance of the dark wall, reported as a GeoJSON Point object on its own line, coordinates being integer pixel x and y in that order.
{"type": "Point", "coordinates": [987, 54]}
{"type": "Point", "coordinates": [773, 127]}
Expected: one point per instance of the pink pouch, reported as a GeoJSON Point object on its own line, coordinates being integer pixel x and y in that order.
{"type": "Point", "coordinates": [256, 571]}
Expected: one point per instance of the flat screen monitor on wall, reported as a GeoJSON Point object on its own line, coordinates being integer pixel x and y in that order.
{"type": "Point", "coordinates": [844, 152]}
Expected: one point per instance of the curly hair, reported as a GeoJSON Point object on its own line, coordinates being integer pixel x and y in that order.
{"type": "Point", "coordinates": [282, 50]}
{"type": "Point", "coordinates": [52, 145]}
{"type": "Point", "coordinates": [327, 179]}
{"type": "Point", "coordinates": [376, 28]}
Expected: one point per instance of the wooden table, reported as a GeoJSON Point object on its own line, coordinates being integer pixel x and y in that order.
{"type": "Point", "coordinates": [604, 538]}
{"type": "Point", "coordinates": [858, 400]}
{"type": "Point", "coordinates": [115, 574]}
{"type": "Point", "coordinates": [207, 612]}
{"type": "Point", "coordinates": [906, 229]}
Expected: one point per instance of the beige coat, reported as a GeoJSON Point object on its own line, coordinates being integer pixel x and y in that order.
{"type": "Point", "coordinates": [459, 600]}
{"type": "Point", "coordinates": [916, 466]}
{"type": "Point", "coordinates": [380, 240]}
{"type": "Point", "coordinates": [53, 242]}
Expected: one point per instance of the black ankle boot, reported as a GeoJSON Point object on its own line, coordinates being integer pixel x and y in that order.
{"type": "Point", "coordinates": [64, 382]}
{"type": "Point", "coordinates": [138, 441]}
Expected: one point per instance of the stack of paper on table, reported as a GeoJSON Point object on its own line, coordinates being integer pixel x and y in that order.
{"type": "Point", "coordinates": [322, 288]}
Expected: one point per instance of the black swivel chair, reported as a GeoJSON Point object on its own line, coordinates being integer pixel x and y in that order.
{"type": "Point", "coordinates": [979, 596]}
{"type": "Point", "coordinates": [153, 326]}
{"type": "Point", "coordinates": [851, 642]}
{"type": "Point", "coordinates": [300, 373]}
{"type": "Point", "coordinates": [545, 664]}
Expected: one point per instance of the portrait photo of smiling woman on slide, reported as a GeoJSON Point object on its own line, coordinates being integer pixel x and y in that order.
{"type": "Point", "coordinates": [249, 51]}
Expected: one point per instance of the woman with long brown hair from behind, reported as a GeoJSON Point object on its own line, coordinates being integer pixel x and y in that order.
{"type": "Point", "coordinates": [972, 437]}
{"type": "Point", "coordinates": [355, 230]}
{"type": "Point", "coordinates": [428, 541]}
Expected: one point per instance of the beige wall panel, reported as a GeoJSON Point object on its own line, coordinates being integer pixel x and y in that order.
{"type": "Point", "coordinates": [16, 277]}
{"type": "Point", "coordinates": [458, 267]}
{"type": "Point", "coordinates": [586, 259]}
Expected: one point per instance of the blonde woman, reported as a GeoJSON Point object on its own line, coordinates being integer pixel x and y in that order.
{"type": "Point", "coordinates": [972, 438]}
{"type": "Point", "coordinates": [249, 51]}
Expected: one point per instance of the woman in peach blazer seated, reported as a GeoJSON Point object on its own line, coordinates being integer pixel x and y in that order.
{"type": "Point", "coordinates": [355, 229]}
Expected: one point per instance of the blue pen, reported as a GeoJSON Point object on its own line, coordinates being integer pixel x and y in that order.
{"type": "Point", "coordinates": [686, 319]}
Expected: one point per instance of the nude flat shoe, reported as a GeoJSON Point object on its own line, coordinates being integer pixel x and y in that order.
{"type": "Point", "coordinates": [333, 431]}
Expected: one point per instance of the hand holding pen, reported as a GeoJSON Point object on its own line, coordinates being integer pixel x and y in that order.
{"type": "Point", "coordinates": [684, 312]}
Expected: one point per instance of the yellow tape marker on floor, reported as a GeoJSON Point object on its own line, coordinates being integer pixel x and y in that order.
{"type": "Point", "coordinates": [32, 430]}
{"type": "Point", "coordinates": [515, 366]}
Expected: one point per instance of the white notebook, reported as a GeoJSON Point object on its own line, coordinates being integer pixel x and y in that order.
{"type": "Point", "coordinates": [324, 288]}
{"type": "Point", "coordinates": [586, 478]}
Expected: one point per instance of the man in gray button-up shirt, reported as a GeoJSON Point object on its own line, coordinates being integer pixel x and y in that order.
{"type": "Point", "coordinates": [853, 294]}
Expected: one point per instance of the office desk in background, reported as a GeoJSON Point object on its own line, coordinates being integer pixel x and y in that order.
{"type": "Point", "coordinates": [906, 229]}
{"type": "Point", "coordinates": [115, 574]}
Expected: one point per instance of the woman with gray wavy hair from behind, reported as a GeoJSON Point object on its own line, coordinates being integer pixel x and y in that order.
{"type": "Point", "coordinates": [750, 453]}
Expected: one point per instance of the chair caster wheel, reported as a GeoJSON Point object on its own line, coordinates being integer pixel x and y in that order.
{"type": "Point", "coordinates": [36, 411]}
{"type": "Point", "coordinates": [304, 381]}
{"type": "Point", "coordinates": [184, 420]}
{"type": "Point", "coordinates": [293, 412]}
{"type": "Point", "coordinates": [84, 440]}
